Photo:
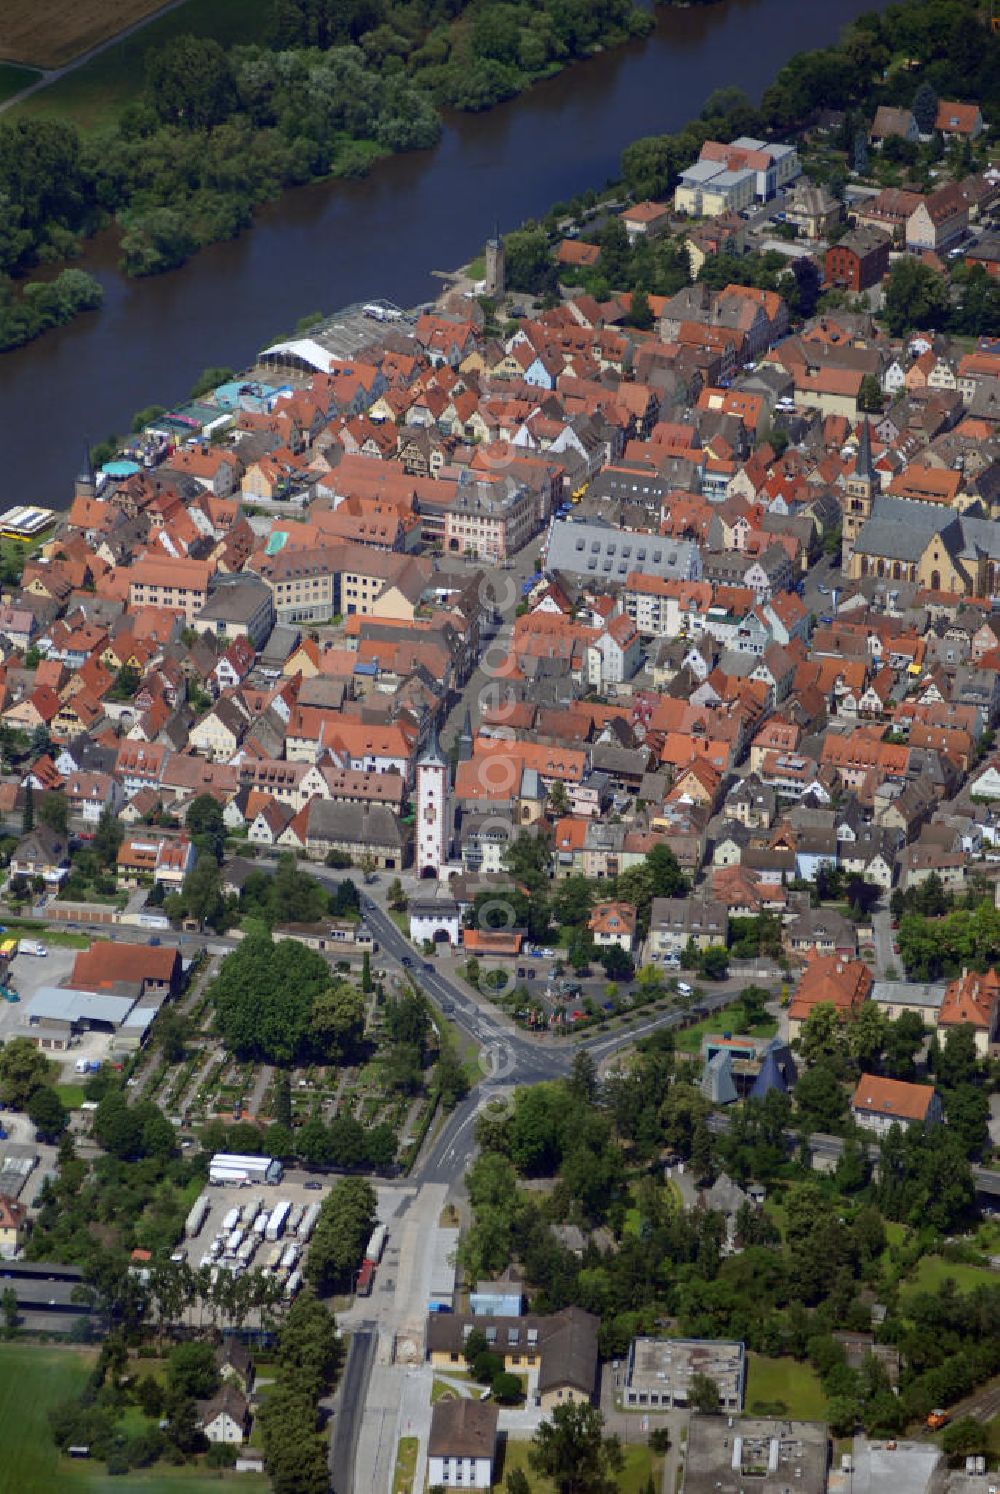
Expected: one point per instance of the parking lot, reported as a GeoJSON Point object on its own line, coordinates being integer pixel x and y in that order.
{"type": "Point", "coordinates": [28, 973]}
{"type": "Point", "coordinates": [211, 1244]}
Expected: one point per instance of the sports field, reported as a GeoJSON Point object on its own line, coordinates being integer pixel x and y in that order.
{"type": "Point", "coordinates": [50, 33]}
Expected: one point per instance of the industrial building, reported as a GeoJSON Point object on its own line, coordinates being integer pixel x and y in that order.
{"type": "Point", "coordinates": [769, 1456]}
{"type": "Point", "coordinates": [56, 1015]}
{"type": "Point", "coordinates": [658, 1371]}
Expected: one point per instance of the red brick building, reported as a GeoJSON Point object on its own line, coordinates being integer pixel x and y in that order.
{"type": "Point", "coordinates": [859, 261]}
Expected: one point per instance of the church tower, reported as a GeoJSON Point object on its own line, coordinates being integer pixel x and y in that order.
{"type": "Point", "coordinates": [85, 484]}
{"type": "Point", "coordinates": [861, 487]}
{"type": "Point", "coordinates": [432, 809]}
{"type": "Point", "coordinates": [465, 738]}
{"type": "Point", "coordinates": [495, 285]}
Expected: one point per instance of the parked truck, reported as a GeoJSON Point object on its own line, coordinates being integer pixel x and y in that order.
{"type": "Point", "coordinates": [278, 1219]}
{"type": "Point", "coordinates": [290, 1255]}
{"type": "Point", "coordinates": [231, 1220]}
{"type": "Point", "coordinates": [308, 1224]}
{"type": "Point", "coordinates": [376, 1244]}
{"type": "Point", "coordinates": [196, 1218]}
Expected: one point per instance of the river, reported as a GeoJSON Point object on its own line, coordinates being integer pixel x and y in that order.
{"type": "Point", "coordinates": [332, 243]}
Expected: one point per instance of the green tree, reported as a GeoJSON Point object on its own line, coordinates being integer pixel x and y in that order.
{"type": "Point", "coordinates": [506, 1389]}
{"type": "Point", "coordinates": [338, 1022]}
{"type": "Point", "coordinates": [915, 297]}
{"type": "Point", "coordinates": [47, 1113]}
{"type": "Point", "coordinates": [640, 314]}
{"type": "Point", "coordinates": [295, 1452]}
{"type": "Point", "coordinates": [107, 838]}
{"type": "Point", "coordinates": [53, 811]}
{"type": "Point", "coordinates": [22, 1070]}
{"type": "Point", "coordinates": [264, 997]}
{"type": "Point", "coordinates": [571, 1450]}
{"type": "Point", "coordinates": [190, 82]}
{"type": "Point", "coordinates": [8, 1305]}
{"type": "Point", "coordinates": [191, 1370]}
{"type": "Point", "coordinates": [206, 825]}
{"type": "Point", "coordinates": [202, 892]}
{"type": "Point", "coordinates": [703, 1395]}
{"type": "Point", "coordinates": [528, 260]}
{"type": "Point", "coordinates": [571, 901]}
{"type": "Point", "coordinates": [925, 108]}
{"type": "Point", "coordinates": [347, 1218]}
{"type": "Point", "coordinates": [211, 378]}
{"type": "Point", "coordinates": [820, 1097]}
{"type": "Point", "coordinates": [965, 1437]}
{"type": "Point", "coordinates": [870, 397]}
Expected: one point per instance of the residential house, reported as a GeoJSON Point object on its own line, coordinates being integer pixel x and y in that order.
{"type": "Point", "coordinates": [879, 1104]}
{"type": "Point", "coordinates": [462, 1443]}
{"type": "Point", "coordinates": [225, 1418]}
{"type": "Point", "coordinates": [613, 923]}
{"type": "Point", "coordinates": [677, 922]}
{"type": "Point", "coordinates": [42, 853]}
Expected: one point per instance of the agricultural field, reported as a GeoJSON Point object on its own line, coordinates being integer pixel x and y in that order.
{"type": "Point", "coordinates": [795, 1386]}
{"type": "Point", "coordinates": [50, 33]}
{"type": "Point", "coordinates": [96, 93]}
{"type": "Point", "coordinates": [32, 1379]}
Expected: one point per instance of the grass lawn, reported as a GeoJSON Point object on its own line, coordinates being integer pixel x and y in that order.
{"type": "Point", "coordinates": [932, 1270]}
{"type": "Point", "coordinates": [77, 1477]}
{"type": "Point", "coordinates": [96, 93]}
{"type": "Point", "coordinates": [688, 1040]}
{"type": "Point", "coordinates": [12, 80]}
{"type": "Point", "coordinates": [406, 1466]}
{"type": "Point", "coordinates": [638, 1466]}
{"type": "Point", "coordinates": [33, 1379]}
{"type": "Point", "coordinates": [795, 1385]}
{"type": "Point", "coordinates": [72, 1095]}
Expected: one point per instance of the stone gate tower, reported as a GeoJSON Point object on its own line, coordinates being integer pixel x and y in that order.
{"type": "Point", "coordinates": [495, 284]}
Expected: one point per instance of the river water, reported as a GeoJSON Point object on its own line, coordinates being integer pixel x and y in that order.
{"type": "Point", "coordinates": [329, 244]}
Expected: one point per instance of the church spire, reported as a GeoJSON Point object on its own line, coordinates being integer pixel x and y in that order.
{"type": "Point", "coordinates": [465, 738]}
{"type": "Point", "coordinates": [865, 466]}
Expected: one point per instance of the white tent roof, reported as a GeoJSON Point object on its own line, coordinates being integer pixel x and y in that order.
{"type": "Point", "coordinates": [306, 349]}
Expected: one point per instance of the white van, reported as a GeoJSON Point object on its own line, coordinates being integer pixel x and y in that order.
{"type": "Point", "coordinates": [32, 947]}
{"type": "Point", "coordinates": [684, 989]}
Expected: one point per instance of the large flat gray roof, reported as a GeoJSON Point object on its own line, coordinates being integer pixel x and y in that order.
{"type": "Point", "coordinates": [598, 550]}
{"type": "Point", "coordinates": [66, 1004]}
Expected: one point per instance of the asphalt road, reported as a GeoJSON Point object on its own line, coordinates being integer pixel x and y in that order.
{"type": "Point", "coordinates": [349, 1407]}
{"type": "Point", "coordinates": [509, 1057]}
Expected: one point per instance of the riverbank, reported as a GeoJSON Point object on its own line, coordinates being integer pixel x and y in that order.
{"type": "Point", "coordinates": [331, 244]}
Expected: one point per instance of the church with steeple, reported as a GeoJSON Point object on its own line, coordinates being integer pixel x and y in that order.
{"type": "Point", "coordinates": [862, 486]}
